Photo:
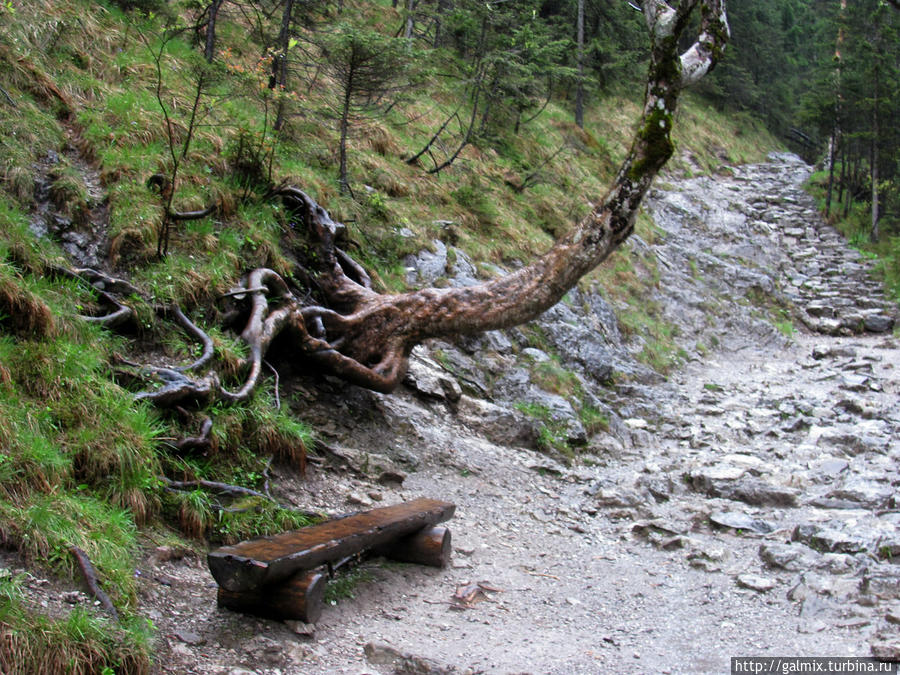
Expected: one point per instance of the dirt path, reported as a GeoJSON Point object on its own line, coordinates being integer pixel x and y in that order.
{"type": "Point", "coordinates": [749, 506]}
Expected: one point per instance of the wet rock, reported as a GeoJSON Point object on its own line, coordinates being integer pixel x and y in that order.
{"type": "Point", "coordinates": [427, 266]}
{"type": "Point", "coordinates": [547, 466]}
{"type": "Point", "coordinates": [827, 469]}
{"type": "Point", "coordinates": [879, 323]}
{"type": "Point", "coordinates": [833, 351]}
{"type": "Point", "coordinates": [851, 440]}
{"type": "Point", "coordinates": [837, 563]}
{"type": "Point", "coordinates": [497, 423]}
{"type": "Point", "coordinates": [301, 628]}
{"type": "Point", "coordinates": [358, 499]}
{"type": "Point", "coordinates": [661, 488]}
{"type": "Point", "coordinates": [886, 651]}
{"type": "Point", "coordinates": [856, 494]}
{"type": "Point", "coordinates": [706, 557]}
{"type": "Point", "coordinates": [852, 382]}
{"type": "Point", "coordinates": [657, 527]}
{"type": "Point", "coordinates": [828, 539]}
{"type": "Point", "coordinates": [536, 355]}
{"type": "Point", "coordinates": [724, 482]}
{"type": "Point", "coordinates": [759, 493]}
{"type": "Point", "coordinates": [707, 478]}
{"type": "Point", "coordinates": [741, 521]}
{"type": "Point", "coordinates": [190, 637]}
{"type": "Point", "coordinates": [755, 582]}
{"type": "Point", "coordinates": [617, 497]}
{"type": "Point", "coordinates": [881, 582]}
{"type": "Point", "coordinates": [403, 663]}
{"type": "Point", "coordinates": [427, 377]}
{"type": "Point", "coordinates": [791, 557]}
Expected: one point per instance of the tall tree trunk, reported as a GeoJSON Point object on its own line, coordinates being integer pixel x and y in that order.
{"type": "Point", "coordinates": [410, 19]}
{"type": "Point", "coordinates": [842, 181]}
{"type": "Point", "coordinates": [279, 63]}
{"type": "Point", "coordinates": [579, 92]}
{"type": "Point", "coordinates": [438, 22]}
{"type": "Point", "coordinates": [209, 50]}
{"type": "Point", "coordinates": [832, 158]}
{"type": "Point", "coordinates": [876, 139]}
{"type": "Point", "coordinates": [345, 125]}
{"type": "Point", "coordinates": [836, 126]}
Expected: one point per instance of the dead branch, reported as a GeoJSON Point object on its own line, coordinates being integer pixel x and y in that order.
{"type": "Point", "coordinates": [93, 583]}
{"type": "Point", "coordinates": [9, 99]}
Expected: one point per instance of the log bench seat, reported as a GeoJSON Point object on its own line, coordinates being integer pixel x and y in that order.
{"type": "Point", "coordinates": [274, 576]}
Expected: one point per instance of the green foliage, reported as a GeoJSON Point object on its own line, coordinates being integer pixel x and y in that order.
{"type": "Point", "coordinates": [80, 644]}
{"type": "Point", "coordinates": [344, 585]}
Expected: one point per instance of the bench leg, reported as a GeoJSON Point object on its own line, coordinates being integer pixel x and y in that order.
{"type": "Point", "coordinates": [428, 546]}
{"type": "Point", "coordinates": [301, 597]}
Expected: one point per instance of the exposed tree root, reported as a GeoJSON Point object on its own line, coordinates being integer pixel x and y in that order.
{"type": "Point", "coordinates": [366, 337]}
{"type": "Point", "coordinates": [201, 442]}
{"type": "Point", "coordinates": [90, 577]}
{"type": "Point", "coordinates": [233, 490]}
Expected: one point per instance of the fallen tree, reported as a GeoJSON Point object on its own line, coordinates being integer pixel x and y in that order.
{"type": "Point", "coordinates": [366, 337]}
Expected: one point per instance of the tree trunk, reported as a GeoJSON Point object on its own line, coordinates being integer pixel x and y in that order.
{"type": "Point", "coordinates": [832, 157]}
{"type": "Point", "coordinates": [410, 19]}
{"type": "Point", "coordinates": [366, 337]}
{"type": "Point", "coordinates": [876, 139]}
{"type": "Point", "coordinates": [209, 50]}
{"type": "Point", "coordinates": [579, 92]}
{"type": "Point", "coordinates": [438, 19]}
{"type": "Point", "coordinates": [345, 124]}
{"type": "Point", "coordinates": [279, 62]}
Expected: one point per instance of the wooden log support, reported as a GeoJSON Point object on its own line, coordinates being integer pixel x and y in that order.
{"type": "Point", "coordinates": [266, 561]}
{"type": "Point", "coordinates": [301, 597]}
{"type": "Point", "coordinates": [428, 546]}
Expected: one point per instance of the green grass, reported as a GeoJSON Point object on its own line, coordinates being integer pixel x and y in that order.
{"type": "Point", "coordinates": [81, 643]}
{"type": "Point", "coordinates": [344, 586]}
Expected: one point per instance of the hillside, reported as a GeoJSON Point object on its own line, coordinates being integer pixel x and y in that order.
{"type": "Point", "coordinates": [98, 99]}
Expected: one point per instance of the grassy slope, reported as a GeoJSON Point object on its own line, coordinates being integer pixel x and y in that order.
{"type": "Point", "coordinates": [80, 460]}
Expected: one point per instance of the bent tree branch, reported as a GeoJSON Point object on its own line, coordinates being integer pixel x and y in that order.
{"type": "Point", "coordinates": [366, 337]}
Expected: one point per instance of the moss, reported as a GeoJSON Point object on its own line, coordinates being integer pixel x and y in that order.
{"type": "Point", "coordinates": [656, 138]}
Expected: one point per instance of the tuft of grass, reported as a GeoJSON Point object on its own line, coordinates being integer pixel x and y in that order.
{"type": "Point", "coordinates": [344, 586]}
{"type": "Point", "coordinates": [79, 644]}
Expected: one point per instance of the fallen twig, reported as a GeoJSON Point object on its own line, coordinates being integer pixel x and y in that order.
{"type": "Point", "coordinates": [8, 97]}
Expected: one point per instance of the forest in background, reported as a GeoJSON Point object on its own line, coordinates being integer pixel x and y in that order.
{"type": "Point", "coordinates": [487, 125]}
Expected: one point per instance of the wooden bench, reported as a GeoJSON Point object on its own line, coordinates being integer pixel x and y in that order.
{"type": "Point", "coordinates": [273, 577]}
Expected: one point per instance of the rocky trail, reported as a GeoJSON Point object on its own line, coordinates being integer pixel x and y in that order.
{"type": "Point", "coordinates": [747, 506]}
